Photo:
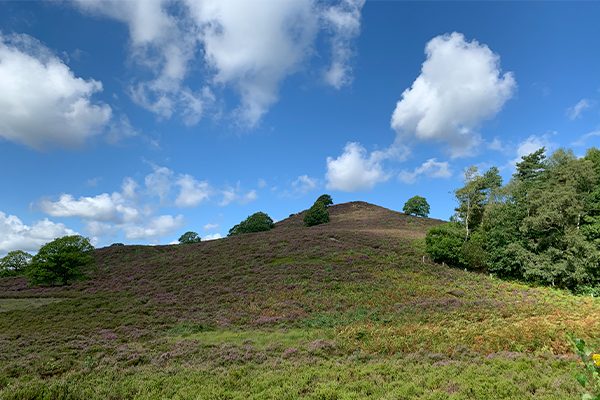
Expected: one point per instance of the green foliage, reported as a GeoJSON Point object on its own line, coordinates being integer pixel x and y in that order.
{"type": "Point", "coordinates": [416, 205]}
{"type": "Point", "coordinates": [60, 261]}
{"type": "Point", "coordinates": [317, 214]}
{"type": "Point", "coordinates": [325, 199]}
{"type": "Point", "coordinates": [589, 378]}
{"type": "Point", "coordinates": [542, 227]}
{"type": "Point", "coordinates": [257, 222]}
{"type": "Point", "coordinates": [189, 237]}
{"type": "Point", "coordinates": [14, 263]}
{"type": "Point", "coordinates": [444, 244]}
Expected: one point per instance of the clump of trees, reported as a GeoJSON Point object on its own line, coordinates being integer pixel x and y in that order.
{"type": "Point", "coordinates": [189, 238]}
{"type": "Point", "coordinates": [417, 206]}
{"type": "Point", "coordinates": [61, 261]}
{"type": "Point", "coordinates": [257, 222]}
{"type": "Point", "coordinates": [318, 213]}
{"type": "Point", "coordinates": [543, 226]}
{"type": "Point", "coordinates": [14, 263]}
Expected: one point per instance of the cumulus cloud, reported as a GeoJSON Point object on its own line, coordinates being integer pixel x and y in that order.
{"type": "Point", "coordinates": [103, 207]}
{"type": "Point", "coordinates": [191, 191]}
{"type": "Point", "coordinates": [575, 112]}
{"type": "Point", "coordinates": [249, 46]}
{"type": "Point", "coordinates": [354, 170]}
{"type": "Point", "coordinates": [304, 184]}
{"type": "Point", "coordinates": [159, 182]}
{"type": "Point", "coordinates": [430, 168]}
{"type": "Point", "coordinates": [210, 227]}
{"type": "Point", "coordinates": [42, 102]}
{"type": "Point", "coordinates": [155, 228]}
{"type": "Point", "coordinates": [212, 236]}
{"type": "Point", "coordinates": [15, 235]}
{"type": "Point", "coordinates": [235, 194]}
{"type": "Point", "coordinates": [532, 144]}
{"type": "Point", "coordinates": [343, 20]}
{"type": "Point", "coordinates": [460, 85]}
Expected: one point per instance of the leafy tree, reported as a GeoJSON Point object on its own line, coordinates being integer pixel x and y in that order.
{"type": "Point", "coordinates": [317, 214]}
{"type": "Point", "coordinates": [416, 205]}
{"type": "Point", "coordinates": [60, 261]}
{"type": "Point", "coordinates": [14, 263]}
{"type": "Point", "coordinates": [444, 243]}
{"type": "Point", "coordinates": [189, 237]}
{"type": "Point", "coordinates": [256, 222]}
{"type": "Point", "coordinates": [325, 199]}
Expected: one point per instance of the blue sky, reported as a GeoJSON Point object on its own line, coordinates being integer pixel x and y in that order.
{"type": "Point", "coordinates": [136, 121]}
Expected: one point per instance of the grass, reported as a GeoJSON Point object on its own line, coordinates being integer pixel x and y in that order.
{"type": "Point", "coordinates": [345, 310]}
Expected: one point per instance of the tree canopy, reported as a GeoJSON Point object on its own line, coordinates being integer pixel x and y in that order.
{"type": "Point", "coordinates": [14, 263]}
{"type": "Point", "coordinates": [60, 261]}
{"type": "Point", "coordinates": [189, 237]}
{"type": "Point", "coordinates": [542, 227]}
{"type": "Point", "coordinates": [256, 222]}
{"type": "Point", "coordinates": [417, 206]}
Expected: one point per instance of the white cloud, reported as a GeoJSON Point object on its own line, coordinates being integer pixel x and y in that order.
{"type": "Point", "coordinates": [159, 182]}
{"type": "Point", "coordinates": [354, 170]}
{"type": "Point", "coordinates": [15, 235]}
{"type": "Point", "coordinates": [584, 138]}
{"type": "Point", "coordinates": [235, 194]}
{"type": "Point", "coordinates": [103, 207]}
{"type": "Point", "coordinates": [304, 184]}
{"type": "Point", "coordinates": [344, 21]}
{"type": "Point", "coordinates": [460, 86]}
{"type": "Point", "coordinates": [430, 168]}
{"type": "Point", "coordinates": [532, 144]}
{"type": "Point", "coordinates": [253, 45]}
{"type": "Point", "coordinates": [212, 236]}
{"type": "Point", "coordinates": [210, 227]}
{"type": "Point", "coordinates": [262, 183]}
{"type": "Point", "coordinates": [42, 102]}
{"type": "Point", "coordinates": [192, 192]}
{"type": "Point", "coordinates": [576, 111]}
{"type": "Point", "coordinates": [250, 46]}
{"type": "Point", "coordinates": [155, 228]}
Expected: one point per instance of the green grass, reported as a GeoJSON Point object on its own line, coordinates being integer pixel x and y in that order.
{"type": "Point", "coordinates": [25, 304]}
{"type": "Point", "coordinates": [291, 314]}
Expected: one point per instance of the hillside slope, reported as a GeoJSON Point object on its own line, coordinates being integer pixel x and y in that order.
{"type": "Point", "coordinates": [349, 309]}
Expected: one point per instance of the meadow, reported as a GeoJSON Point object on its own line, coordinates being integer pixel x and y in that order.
{"type": "Point", "coordinates": [351, 309]}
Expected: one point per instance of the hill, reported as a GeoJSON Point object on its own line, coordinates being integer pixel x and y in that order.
{"type": "Point", "coordinates": [346, 310]}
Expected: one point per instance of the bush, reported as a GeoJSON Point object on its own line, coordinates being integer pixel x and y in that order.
{"type": "Point", "coordinates": [14, 263]}
{"type": "Point", "coordinates": [317, 214]}
{"type": "Point", "coordinates": [589, 377]}
{"type": "Point", "coordinates": [189, 237]}
{"type": "Point", "coordinates": [416, 205]}
{"type": "Point", "coordinates": [444, 244]}
{"type": "Point", "coordinates": [257, 222]}
{"type": "Point", "coordinates": [325, 199]}
{"type": "Point", "coordinates": [60, 261]}
{"type": "Point", "coordinates": [117, 245]}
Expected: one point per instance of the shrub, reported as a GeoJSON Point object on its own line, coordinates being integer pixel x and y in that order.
{"type": "Point", "coordinates": [317, 214]}
{"type": "Point", "coordinates": [325, 199]}
{"type": "Point", "coordinates": [14, 263]}
{"type": "Point", "coordinates": [257, 222]}
{"type": "Point", "coordinates": [116, 245]}
{"type": "Point", "coordinates": [60, 261]}
{"type": "Point", "coordinates": [444, 244]}
{"type": "Point", "coordinates": [417, 206]}
{"type": "Point", "coordinates": [589, 378]}
{"type": "Point", "coordinates": [189, 237]}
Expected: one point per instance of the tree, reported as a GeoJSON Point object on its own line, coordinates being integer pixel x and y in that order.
{"type": "Point", "coordinates": [444, 243]}
{"type": "Point", "coordinates": [189, 237]}
{"type": "Point", "coordinates": [325, 199]}
{"type": "Point", "coordinates": [257, 222]}
{"type": "Point", "coordinates": [416, 205]}
{"type": "Point", "coordinates": [60, 261]}
{"type": "Point", "coordinates": [317, 214]}
{"type": "Point", "coordinates": [14, 263]}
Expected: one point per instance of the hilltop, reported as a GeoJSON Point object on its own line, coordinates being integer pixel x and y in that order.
{"type": "Point", "coordinates": [348, 309]}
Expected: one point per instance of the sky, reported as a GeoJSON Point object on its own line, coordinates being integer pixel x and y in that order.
{"type": "Point", "coordinates": [136, 121]}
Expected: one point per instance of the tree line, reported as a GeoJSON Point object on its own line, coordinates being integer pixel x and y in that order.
{"type": "Point", "coordinates": [543, 226]}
